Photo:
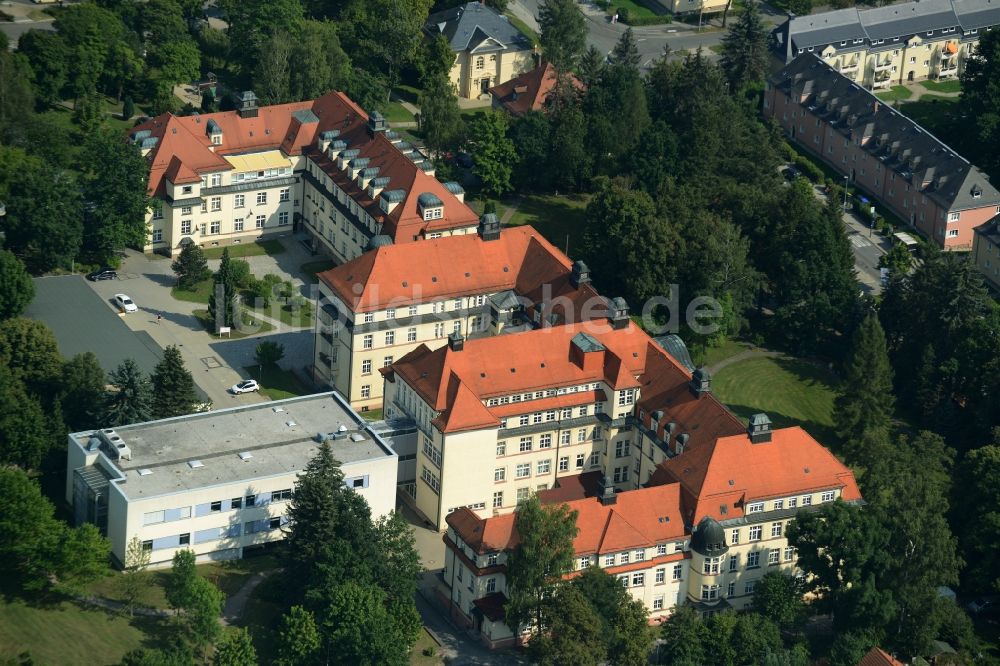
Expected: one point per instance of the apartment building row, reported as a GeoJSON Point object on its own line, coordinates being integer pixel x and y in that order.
{"type": "Point", "coordinates": [881, 151]}
{"type": "Point", "coordinates": [375, 309]}
{"type": "Point", "coordinates": [220, 482]}
{"type": "Point", "coordinates": [986, 252]}
{"type": "Point", "coordinates": [676, 496]}
{"type": "Point", "coordinates": [321, 165]}
{"type": "Point", "coordinates": [894, 44]}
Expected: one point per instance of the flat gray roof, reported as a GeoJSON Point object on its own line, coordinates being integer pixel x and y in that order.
{"type": "Point", "coordinates": [279, 436]}
{"type": "Point", "coordinates": [82, 322]}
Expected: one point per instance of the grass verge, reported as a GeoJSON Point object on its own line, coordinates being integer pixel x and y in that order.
{"type": "Point", "coordinates": [199, 294]}
{"type": "Point", "coordinates": [895, 93]}
{"type": "Point", "coordinates": [372, 415]}
{"type": "Point", "coordinates": [395, 112]}
{"type": "Point", "coordinates": [255, 249]}
{"type": "Point", "coordinates": [727, 349]}
{"type": "Point", "coordinates": [952, 86]}
{"type": "Point", "coordinates": [276, 383]}
{"type": "Point", "coordinates": [559, 218]}
{"type": "Point", "coordinates": [791, 392]}
{"type": "Point", "coordinates": [425, 651]}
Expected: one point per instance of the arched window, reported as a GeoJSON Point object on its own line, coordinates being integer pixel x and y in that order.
{"type": "Point", "coordinates": [480, 62]}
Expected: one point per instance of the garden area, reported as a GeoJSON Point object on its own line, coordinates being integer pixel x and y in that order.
{"type": "Point", "coordinates": [255, 249]}
{"type": "Point", "coordinates": [895, 93]}
{"type": "Point", "coordinates": [636, 12]}
{"type": "Point", "coordinates": [560, 218]}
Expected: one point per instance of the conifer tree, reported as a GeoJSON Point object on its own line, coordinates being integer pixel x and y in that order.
{"type": "Point", "coordinates": [222, 302]}
{"type": "Point", "coordinates": [173, 386]}
{"type": "Point", "coordinates": [131, 400]}
{"type": "Point", "coordinates": [866, 403]}
{"type": "Point", "coordinates": [744, 49]}
{"type": "Point", "coordinates": [190, 267]}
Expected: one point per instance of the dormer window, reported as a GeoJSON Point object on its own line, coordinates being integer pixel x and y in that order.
{"type": "Point", "coordinates": [187, 189]}
{"type": "Point", "coordinates": [431, 207]}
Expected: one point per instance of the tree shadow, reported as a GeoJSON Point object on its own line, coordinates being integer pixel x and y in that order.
{"type": "Point", "coordinates": [161, 279]}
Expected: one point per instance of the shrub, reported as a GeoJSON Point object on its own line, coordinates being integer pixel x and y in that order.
{"type": "Point", "coordinates": [428, 651]}
{"type": "Point", "coordinates": [241, 273]}
{"type": "Point", "coordinates": [811, 171]}
{"type": "Point", "coordinates": [787, 152]}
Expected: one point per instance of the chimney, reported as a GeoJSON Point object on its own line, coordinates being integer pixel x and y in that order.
{"type": "Point", "coordinates": [606, 491]}
{"type": "Point", "coordinates": [682, 440]}
{"type": "Point", "coordinates": [618, 313]}
{"type": "Point", "coordinates": [580, 274]}
{"type": "Point", "coordinates": [700, 383]}
{"type": "Point", "coordinates": [489, 227]}
{"type": "Point", "coordinates": [246, 104]}
{"type": "Point", "coordinates": [456, 342]}
{"type": "Point", "coordinates": [759, 429]}
{"type": "Point", "coordinates": [376, 123]}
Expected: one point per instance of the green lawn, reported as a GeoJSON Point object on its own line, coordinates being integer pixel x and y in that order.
{"type": "Point", "coordinates": [270, 247]}
{"type": "Point", "coordinates": [407, 93]}
{"type": "Point", "coordinates": [63, 632]}
{"type": "Point", "coordinates": [372, 415]}
{"type": "Point", "coordinates": [203, 318]}
{"type": "Point", "coordinates": [277, 384]}
{"type": "Point", "coordinates": [425, 642]}
{"type": "Point", "coordinates": [479, 206]}
{"type": "Point", "coordinates": [395, 112]}
{"type": "Point", "coordinates": [942, 117]}
{"type": "Point", "coordinates": [895, 93]}
{"type": "Point", "coordinates": [791, 392]}
{"type": "Point", "coordinates": [523, 28]}
{"type": "Point", "coordinates": [559, 218]}
{"type": "Point", "coordinates": [199, 294]}
{"type": "Point", "coordinates": [314, 268]}
{"type": "Point", "coordinates": [304, 317]}
{"type": "Point", "coordinates": [635, 9]}
{"type": "Point", "coordinates": [728, 348]}
{"type": "Point", "coordinates": [947, 86]}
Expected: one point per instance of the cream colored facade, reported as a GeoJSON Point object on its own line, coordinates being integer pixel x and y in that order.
{"type": "Point", "coordinates": [486, 65]}
{"type": "Point", "coordinates": [895, 62]}
{"type": "Point", "coordinates": [351, 347]}
{"type": "Point", "coordinates": [491, 469]}
{"type": "Point", "coordinates": [228, 207]}
{"type": "Point", "coordinates": [220, 500]}
{"type": "Point", "coordinates": [691, 6]}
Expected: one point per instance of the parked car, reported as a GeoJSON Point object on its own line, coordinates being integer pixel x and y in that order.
{"type": "Point", "coordinates": [125, 304]}
{"type": "Point", "coordinates": [245, 386]}
{"type": "Point", "coordinates": [103, 274]}
{"type": "Point", "coordinates": [984, 605]}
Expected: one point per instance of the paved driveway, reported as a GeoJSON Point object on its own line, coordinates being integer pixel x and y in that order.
{"type": "Point", "coordinates": [215, 363]}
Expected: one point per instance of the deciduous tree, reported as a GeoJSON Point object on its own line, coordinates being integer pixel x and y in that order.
{"type": "Point", "coordinates": [495, 156]}
{"type": "Point", "coordinates": [683, 636]}
{"type": "Point", "coordinates": [778, 597]}
{"type": "Point", "coordinates": [298, 638]}
{"type": "Point", "coordinates": [180, 582]}
{"type": "Point", "coordinates": [358, 629]}
{"type": "Point", "coordinates": [235, 649]}
{"type": "Point", "coordinates": [269, 353]}
{"type": "Point", "coordinates": [320, 63]}
{"type": "Point", "coordinates": [626, 634]}
{"type": "Point", "coordinates": [16, 287]}
{"type": "Point", "coordinates": [981, 100]}
{"type": "Point", "coordinates": [173, 386]}
{"type": "Point", "coordinates": [23, 429]}
{"type": "Point", "coordinates": [47, 54]}
{"type": "Point", "coordinates": [82, 391]}
{"type": "Point", "coordinates": [29, 349]}
{"type": "Point", "coordinates": [569, 638]}
{"type": "Point", "coordinates": [134, 580]}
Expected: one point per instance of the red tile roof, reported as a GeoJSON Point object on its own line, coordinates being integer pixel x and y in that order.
{"type": "Point", "coordinates": [448, 267]}
{"type": "Point", "coordinates": [186, 140]}
{"type": "Point", "coordinates": [530, 90]}
{"type": "Point", "coordinates": [638, 518]}
{"type": "Point", "coordinates": [732, 471]}
{"type": "Point", "coordinates": [878, 657]}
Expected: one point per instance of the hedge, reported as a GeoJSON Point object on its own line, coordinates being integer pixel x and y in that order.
{"type": "Point", "coordinates": [812, 172]}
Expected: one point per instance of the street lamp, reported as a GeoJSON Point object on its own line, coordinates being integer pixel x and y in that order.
{"type": "Point", "coordinates": [846, 181]}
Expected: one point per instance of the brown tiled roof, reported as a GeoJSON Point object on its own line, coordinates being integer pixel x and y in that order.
{"type": "Point", "coordinates": [530, 90]}
{"type": "Point", "coordinates": [878, 657]}
{"type": "Point", "coordinates": [569, 488]}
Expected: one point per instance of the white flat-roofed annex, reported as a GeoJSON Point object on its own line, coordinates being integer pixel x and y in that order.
{"type": "Point", "coordinates": [280, 437]}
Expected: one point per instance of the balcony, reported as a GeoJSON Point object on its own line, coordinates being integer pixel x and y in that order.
{"type": "Point", "coordinates": [883, 66]}
{"type": "Point", "coordinates": [849, 67]}
{"type": "Point", "coordinates": [878, 85]}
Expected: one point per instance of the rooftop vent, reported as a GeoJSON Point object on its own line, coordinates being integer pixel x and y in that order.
{"type": "Point", "coordinates": [145, 471]}
{"type": "Point", "coordinates": [357, 437]}
{"type": "Point", "coordinates": [195, 464]}
{"type": "Point", "coordinates": [618, 313]}
{"type": "Point", "coordinates": [291, 424]}
{"type": "Point", "coordinates": [245, 456]}
{"type": "Point", "coordinates": [277, 410]}
{"type": "Point", "coordinates": [606, 491]}
{"type": "Point", "coordinates": [489, 227]}
{"type": "Point", "coordinates": [701, 382]}
{"type": "Point", "coordinates": [759, 428]}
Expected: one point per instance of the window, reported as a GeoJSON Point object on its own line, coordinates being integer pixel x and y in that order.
{"type": "Point", "coordinates": [386, 361]}
{"type": "Point", "coordinates": [236, 502]}
{"type": "Point", "coordinates": [710, 566]}
{"type": "Point", "coordinates": [585, 562]}
{"type": "Point", "coordinates": [658, 603]}
{"type": "Point", "coordinates": [661, 549]}
{"type": "Point", "coordinates": [807, 500]}
{"type": "Point", "coordinates": [251, 500]}
{"type": "Point", "coordinates": [565, 436]}
{"type": "Point", "coordinates": [640, 556]}
{"type": "Point", "coordinates": [564, 463]}
{"type": "Point", "coordinates": [756, 507]}
{"type": "Point", "coordinates": [621, 449]}
{"type": "Point", "coordinates": [523, 470]}
{"type": "Point", "coordinates": [793, 502]}
{"type": "Point", "coordinates": [283, 195]}
{"type": "Point", "coordinates": [749, 586]}
{"type": "Point", "coordinates": [524, 445]}
{"type": "Point", "coordinates": [626, 397]}
{"type": "Point", "coordinates": [186, 227]}
{"type": "Point", "coordinates": [621, 474]}
{"type": "Point", "coordinates": [638, 579]}
{"type": "Point", "coordinates": [595, 459]}
{"type": "Point", "coordinates": [238, 224]}
{"type": "Point", "coordinates": [789, 554]}
{"type": "Point", "coordinates": [500, 474]}
{"type": "Point", "coordinates": [491, 585]}
{"type": "Point", "coordinates": [431, 479]}
{"type": "Point", "coordinates": [261, 198]}
{"type": "Point", "coordinates": [581, 435]}
{"type": "Point", "coordinates": [498, 499]}
{"type": "Point", "coordinates": [827, 496]}
{"type": "Point", "coordinates": [580, 459]}
{"type": "Point", "coordinates": [779, 504]}
{"type": "Point", "coordinates": [913, 60]}
{"type": "Point", "coordinates": [773, 556]}
{"type": "Point", "coordinates": [609, 560]}
{"type": "Point", "coordinates": [501, 449]}
{"type": "Point", "coordinates": [283, 218]}
{"type": "Point", "coordinates": [366, 366]}
{"type": "Point", "coordinates": [734, 537]}
{"type": "Point", "coordinates": [185, 210]}
{"type": "Point", "coordinates": [184, 539]}
{"type": "Point", "coordinates": [157, 215]}
{"type": "Point", "coordinates": [157, 235]}
{"type": "Point", "coordinates": [411, 335]}
{"type": "Point", "coordinates": [709, 592]}
{"type": "Point", "coordinates": [776, 529]}
{"type": "Point", "coordinates": [953, 233]}
{"type": "Point", "coordinates": [215, 227]}
{"type": "Point", "coordinates": [583, 411]}
{"type": "Point", "coordinates": [734, 562]}
{"type": "Point", "coordinates": [187, 189]}
{"type": "Point", "coordinates": [678, 572]}
{"type": "Point", "coordinates": [522, 494]}
{"type": "Point", "coordinates": [216, 203]}
{"type": "Point", "coordinates": [366, 390]}
{"type": "Point", "coordinates": [536, 418]}
{"type": "Point", "coordinates": [492, 559]}
{"type": "Point", "coordinates": [239, 201]}
{"type": "Point", "coordinates": [661, 576]}
{"type": "Point", "coordinates": [545, 441]}
{"type": "Point", "coordinates": [755, 532]}
{"type": "Point", "coordinates": [753, 559]}
{"type": "Point", "coordinates": [259, 221]}
{"type": "Point", "coordinates": [625, 558]}
{"type": "Point", "coordinates": [367, 341]}
{"type": "Point", "coordinates": [480, 62]}
{"type": "Point", "coordinates": [390, 337]}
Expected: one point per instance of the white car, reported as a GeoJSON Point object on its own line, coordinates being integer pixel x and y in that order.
{"type": "Point", "coordinates": [245, 386]}
{"type": "Point", "coordinates": [125, 304]}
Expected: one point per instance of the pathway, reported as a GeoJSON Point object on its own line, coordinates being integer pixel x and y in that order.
{"type": "Point", "coordinates": [119, 606]}
{"type": "Point", "coordinates": [919, 90]}
{"type": "Point", "coordinates": [236, 604]}
{"type": "Point", "coordinates": [744, 355]}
